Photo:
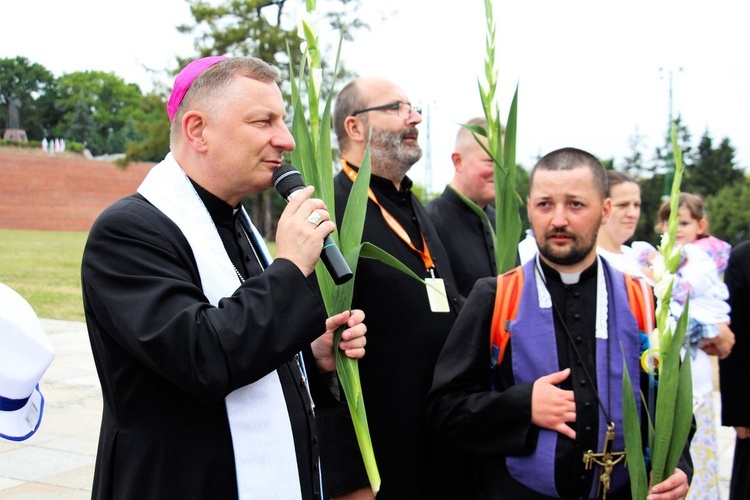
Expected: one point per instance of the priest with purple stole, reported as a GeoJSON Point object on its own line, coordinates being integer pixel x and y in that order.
{"type": "Point", "coordinates": [542, 418]}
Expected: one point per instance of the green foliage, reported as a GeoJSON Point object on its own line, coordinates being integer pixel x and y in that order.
{"type": "Point", "coordinates": [27, 82]}
{"type": "Point", "coordinates": [633, 441]}
{"type": "Point", "coordinates": [97, 108]}
{"type": "Point", "coordinates": [674, 399]}
{"type": "Point", "coordinates": [728, 212]}
{"type": "Point", "coordinates": [711, 168]}
{"type": "Point", "coordinates": [501, 147]}
{"type": "Point", "coordinates": [313, 155]}
{"type": "Point", "coordinates": [150, 138]}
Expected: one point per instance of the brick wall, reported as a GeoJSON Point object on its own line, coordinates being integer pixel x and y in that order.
{"type": "Point", "coordinates": [64, 193]}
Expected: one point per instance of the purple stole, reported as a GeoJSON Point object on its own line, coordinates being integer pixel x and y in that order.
{"type": "Point", "coordinates": [534, 353]}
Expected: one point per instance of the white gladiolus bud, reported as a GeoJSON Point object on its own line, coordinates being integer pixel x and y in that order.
{"type": "Point", "coordinates": [485, 87]}
{"type": "Point", "coordinates": [495, 114]}
{"type": "Point", "coordinates": [662, 286]}
{"type": "Point", "coordinates": [654, 338]}
{"type": "Point", "coordinates": [317, 78]}
{"type": "Point", "coordinates": [664, 240]}
{"type": "Point", "coordinates": [658, 267]}
{"type": "Point", "coordinates": [671, 325]}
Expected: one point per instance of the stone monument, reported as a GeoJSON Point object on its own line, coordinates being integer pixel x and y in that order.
{"type": "Point", "coordinates": [14, 132]}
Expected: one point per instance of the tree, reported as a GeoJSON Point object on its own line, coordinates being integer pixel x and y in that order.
{"type": "Point", "coordinates": [150, 137]}
{"type": "Point", "coordinates": [80, 124]}
{"type": "Point", "coordinates": [28, 82]}
{"type": "Point", "coordinates": [651, 198]}
{"type": "Point", "coordinates": [729, 218]}
{"type": "Point", "coordinates": [710, 169]}
{"type": "Point", "coordinates": [108, 99]}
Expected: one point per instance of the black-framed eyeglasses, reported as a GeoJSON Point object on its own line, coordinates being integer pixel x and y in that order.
{"type": "Point", "coordinates": [403, 109]}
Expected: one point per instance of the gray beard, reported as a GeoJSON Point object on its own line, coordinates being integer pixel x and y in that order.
{"type": "Point", "coordinates": [391, 158]}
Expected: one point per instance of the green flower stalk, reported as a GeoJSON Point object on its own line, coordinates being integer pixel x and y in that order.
{"type": "Point", "coordinates": [501, 147]}
{"type": "Point", "coordinates": [314, 158]}
{"type": "Point", "coordinates": [668, 431]}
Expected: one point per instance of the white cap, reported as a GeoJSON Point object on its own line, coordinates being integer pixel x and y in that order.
{"type": "Point", "coordinates": [25, 354]}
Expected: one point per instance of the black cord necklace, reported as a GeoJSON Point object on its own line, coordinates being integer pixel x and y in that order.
{"type": "Point", "coordinates": [572, 344]}
{"type": "Point", "coordinates": [607, 458]}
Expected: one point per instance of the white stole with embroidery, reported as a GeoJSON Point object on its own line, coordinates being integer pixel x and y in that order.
{"type": "Point", "coordinates": [264, 453]}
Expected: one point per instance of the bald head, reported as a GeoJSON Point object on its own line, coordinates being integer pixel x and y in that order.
{"type": "Point", "coordinates": [360, 93]}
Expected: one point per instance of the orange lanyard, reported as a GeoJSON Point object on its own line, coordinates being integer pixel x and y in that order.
{"type": "Point", "coordinates": [395, 226]}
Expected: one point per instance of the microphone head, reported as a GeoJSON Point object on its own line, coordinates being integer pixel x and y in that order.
{"type": "Point", "coordinates": [287, 179]}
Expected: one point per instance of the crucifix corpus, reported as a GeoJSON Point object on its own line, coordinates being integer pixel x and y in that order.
{"type": "Point", "coordinates": [607, 459]}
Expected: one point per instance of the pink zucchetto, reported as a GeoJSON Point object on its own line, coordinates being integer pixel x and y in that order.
{"type": "Point", "coordinates": [185, 79]}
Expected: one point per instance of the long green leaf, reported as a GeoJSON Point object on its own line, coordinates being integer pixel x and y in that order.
{"type": "Point", "coordinates": [633, 440]}
{"type": "Point", "coordinates": [665, 406]}
{"type": "Point", "coordinates": [313, 157]}
{"type": "Point", "coordinates": [683, 409]}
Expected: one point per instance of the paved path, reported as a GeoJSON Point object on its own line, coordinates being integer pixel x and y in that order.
{"type": "Point", "coordinates": [58, 461]}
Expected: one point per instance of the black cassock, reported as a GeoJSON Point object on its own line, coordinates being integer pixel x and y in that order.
{"type": "Point", "coordinates": [466, 237]}
{"type": "Point", "coordinates": [404, 338]}
{"type": "Point", "coordinates": [735, 369]}
{"type": "Point", "coordinates": [166, 358]}
{"type": "Point", "coordinates": [495, 423]}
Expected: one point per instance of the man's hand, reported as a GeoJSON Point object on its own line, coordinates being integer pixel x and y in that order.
{"type": "Point", "coordinates": [674, 487]}
{"type": "Point", "coordinates": [742, 432]}
{"type": "Point", "coordinates": [352, 339]}
{"type": "Point", "coordinates": [299, 238]}
{"type": "Point", "coordinates": [552, 407]}
{"type": "Point", "coordinates": [722, 344]}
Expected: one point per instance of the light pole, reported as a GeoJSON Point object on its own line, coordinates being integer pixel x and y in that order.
{"type": "Point", "coordinates": [669, 174]}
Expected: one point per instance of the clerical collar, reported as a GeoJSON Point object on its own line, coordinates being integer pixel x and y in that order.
{"type": "Point", "coordinates": [221, 211]}
{"type": "Point", "coordinates": [569, 278]}
{"type": "Point", "coordinates": [383, 184]}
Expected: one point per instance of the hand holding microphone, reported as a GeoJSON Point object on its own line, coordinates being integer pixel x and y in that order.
{"type": "Point", "coordinates": [287, 181]}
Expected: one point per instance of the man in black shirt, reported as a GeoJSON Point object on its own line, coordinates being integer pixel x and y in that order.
{"type": "Point", "coordinates": [558, 382]}
{"type": "Point", "coordinates": [467, 236]}
{"type": "Point", "coordinates": [199, 337]}
{"type": "Point", "coordinates": [406, 329]}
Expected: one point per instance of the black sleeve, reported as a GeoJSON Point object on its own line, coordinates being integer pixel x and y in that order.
{"type": "Point", "coordinates": [735, 369]}
{"type": "Point", "coordinates": [462, 404]}
{"type": "Point", "coordinates": [143, 300]}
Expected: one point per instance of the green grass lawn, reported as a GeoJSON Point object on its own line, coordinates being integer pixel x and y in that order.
{"type": "Point", "coordinates": [45, 268]}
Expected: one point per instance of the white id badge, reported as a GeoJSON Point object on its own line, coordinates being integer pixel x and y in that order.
{"type": "Point", "coordinates": [436, 295]}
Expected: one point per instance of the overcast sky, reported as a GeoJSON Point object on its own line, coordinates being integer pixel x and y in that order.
{"type": "Point", "coordinates": [588, 71]}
